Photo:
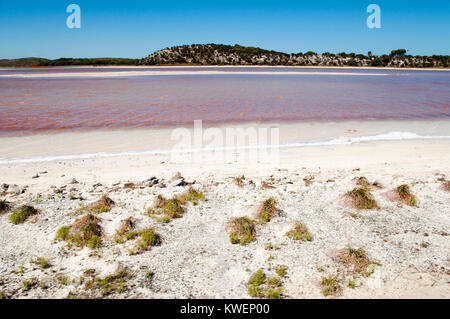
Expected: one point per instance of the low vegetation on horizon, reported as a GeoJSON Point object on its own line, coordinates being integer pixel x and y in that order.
{"type": "Point", "coordinates": [219, 54]}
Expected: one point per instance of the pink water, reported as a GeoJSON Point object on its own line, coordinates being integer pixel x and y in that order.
{"type": "Point", "coordinates": [29, 106]}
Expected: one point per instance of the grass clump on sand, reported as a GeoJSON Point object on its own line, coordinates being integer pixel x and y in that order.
{"type": "Point", "coordinates": [300, 233]}
{"type": "Point", "coordinates": [274, 293]}
{"type": "Point", "coordinates": [168, 208]}
{"type": "Point", "coordinates": [4, 206]}
{"type": "Point", "coordinates": [114, 283]}
{"type": "Point", "coordinates": [255, 282]}
{"type": "Point", "coordinates": [148, 238]}
{"type": "Point", "coordinates": [331, 286]}
{"type": "Point", "coordinates": [243, 231]}
{"type": "Point", "coordinates": [174, 208]}
{"type": "Point", "coordinates": [43, 263]}
{"type": "Point", "coordinates": [84, 232]}
{"type": "Point", "coordinates": [126, 230]}
{"type": "Point", "coordinates": [21, 214]}
{"type": "Point", "coordinates": [267, 210]}
{"type": "Point", "coordinates": [29, 284]}
{"type": "Point", "coordinates": [281, 270]}
{"type": "Point", "coordinates": [405, 195]}
{"type": "Point", "coordinates": [103, 205]}
{"type": "Point", "coordinates": [357, 261]}
{"type": "Point", "coordinates": [259, 286]}
{"type": "Point", "coordinates": [361, 198]}
{"type": "Point", "coordinates": [191, 196]}
{"type": "Point", "coordinates": [364, 182]}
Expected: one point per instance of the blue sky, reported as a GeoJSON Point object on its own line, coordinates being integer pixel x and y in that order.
{"type": "Point", "coordinates": [136, 28]}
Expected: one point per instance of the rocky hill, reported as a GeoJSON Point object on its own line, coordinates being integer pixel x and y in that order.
{"type": "Point", "coordinates": [216, 54]}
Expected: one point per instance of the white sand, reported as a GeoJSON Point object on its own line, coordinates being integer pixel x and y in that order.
{"type": "Point", "coordinates": [196, 258]}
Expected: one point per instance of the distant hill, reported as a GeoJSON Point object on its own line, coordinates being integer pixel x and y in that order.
{"type": "Point", "coordinates": [25, 62]}
{"type": "Point", "coordinates": [217, 54]}
{"type": "Point", "coordinates": [36, 62]}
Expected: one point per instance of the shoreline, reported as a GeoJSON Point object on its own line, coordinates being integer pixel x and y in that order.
{"type": "Point", "coordinates": [122, 142]}
{"type": "Point", "coordinates": [224, 66]}
{"type": "Point", "coordinates": [175, 73]}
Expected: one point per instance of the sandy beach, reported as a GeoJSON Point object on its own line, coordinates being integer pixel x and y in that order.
{"type": "Point", "coordinates": [62, 175]}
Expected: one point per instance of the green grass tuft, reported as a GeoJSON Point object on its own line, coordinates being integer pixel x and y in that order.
{"type": "Point", "coordinates": [362, 199]}
{"type": "Point", "coordinates": [103, 205]}
{"type": "Point", "coordinates": [255, 282]}
{"type": "Point", "coordinates": [84, 232]}
{"type": "Point", "coordinates": [281, 271]}
{"type": "Point", "coordinates": [406, 196]}
{"type": "Point", "coordinates": [331, 286]}
{"type": "Point", "coordinates": [29, 284]}
{"type": "Point", "coordinates": [267, 210]}
{"type": "Point", "coordinates": [192, 196]}
{"type": "Point", "coordinates": [357, 261]}
{"type": "Point", "coordinates": [243, 231]}
{"type": "Point", "coordinates": [300, 233]}
{"type": "Point", "coordinates": [114, 283]}
{"type": "Point", "coordinates": [21, 214]}
{"type": "Point", "coordinates": [148, 239]}
{"type": "Point", "coordinates": [274, 293]}
{"type": "Point", "coordinates": [43, 263]}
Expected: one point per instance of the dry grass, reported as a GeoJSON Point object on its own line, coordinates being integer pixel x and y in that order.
{"type": "Point", "coordinates": [331, 286]}
{"type": "Point", "coordinates": [131, 186]}
{"type": "Point", "coordinates": [239, 181]}
{"type": "Point", "coordinates": [243, 231]}
{"type": "Point", "coordinates": [362, 198]}
{"type": "Point", "coordinates": [356, 261]}
{"type": "Point", "coordinates": [267, 210]}
{"type": "Point", "coordinates": [267, 185]}
{"type": "Point", "coordinates": [86, 231]}
{"type": "Point", "coordinates": [168, 208]}
{"type": "Point", "coordinates": [126, 230]}
{"type": "Point", "coordinates": [126, 225]}
{"type": "Point", "coordinates": [308, 180]}
{"type": "Point", "coordinates": [103, 205]}
{"type": "Point", "coordinates": [300, 233]}
{"type": "Point", "coordinates": [405, 196]}
{"type": "Point", "coordinates": [446, 185]}
{"type": "Point", "coordinates": [174, 207]}
{"type": "Point", "coordinates": [364, 183]}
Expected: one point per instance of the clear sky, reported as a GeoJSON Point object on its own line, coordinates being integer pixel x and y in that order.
{"type": "Point", "coordinates": [134, 29]}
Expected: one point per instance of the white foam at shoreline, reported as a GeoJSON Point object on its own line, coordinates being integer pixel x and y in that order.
{"type": "Point", "coordinates": [391, 136]}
